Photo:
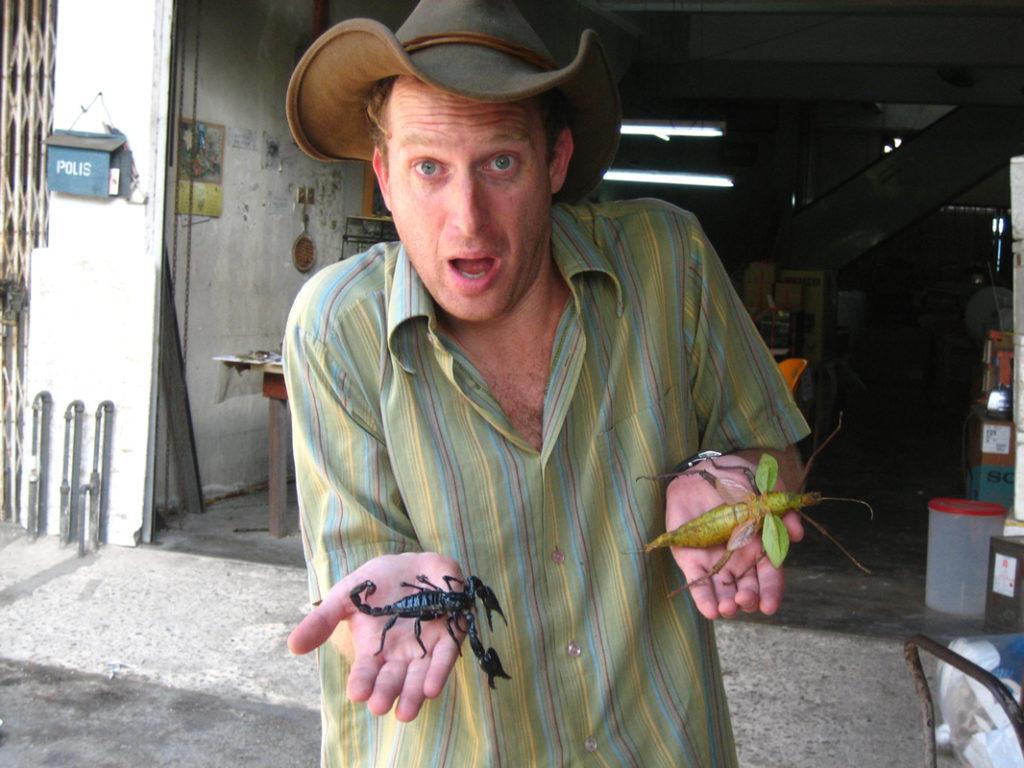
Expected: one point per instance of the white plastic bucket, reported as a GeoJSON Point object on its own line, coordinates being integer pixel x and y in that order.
{"type": "Point", "coordinates": [959, 531]}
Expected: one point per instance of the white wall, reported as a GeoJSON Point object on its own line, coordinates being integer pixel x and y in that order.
{"type": "Point", "coordinates": [241, 280]}
{"type": "Point", "coordinates": [1017, 223]}
{"type": "Point", "coordinates": [93, 291]}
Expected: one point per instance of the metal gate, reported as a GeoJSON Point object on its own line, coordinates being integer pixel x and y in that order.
{"type": "Point", "coordinates": [27, 41]}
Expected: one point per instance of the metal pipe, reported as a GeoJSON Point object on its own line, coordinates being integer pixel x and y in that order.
{"type": "Point", "coordinates": [36, 516]}
{"type": "Point", "coordinates": [98, 486]}
{"type": "Point", "coordinates": [1000, 693]}
{"type": "Point", "coordinates": [69, 512]}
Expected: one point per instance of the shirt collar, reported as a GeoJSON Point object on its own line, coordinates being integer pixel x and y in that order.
{"type": "Point", "coordinates": [578, 248]}
{"type": "Point", "coordinates": [574, 247]}
{"type": "Point", "coordinates": [408, 301]}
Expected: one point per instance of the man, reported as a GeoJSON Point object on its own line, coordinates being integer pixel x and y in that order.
{"type": "Point", "coordinates": [487, 397]}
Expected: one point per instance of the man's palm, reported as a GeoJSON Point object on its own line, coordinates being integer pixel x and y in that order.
{"type": "Point", "coordinates": [401, 670]}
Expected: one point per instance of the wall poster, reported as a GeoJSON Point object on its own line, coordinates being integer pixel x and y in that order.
{"type": "Point", "coordinates": [200, 167]}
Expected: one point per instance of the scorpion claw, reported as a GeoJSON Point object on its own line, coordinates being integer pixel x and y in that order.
{"type": "Point", "coordinates": [490, 602]}
{"type": "Point", "coordinates": [491, 664]}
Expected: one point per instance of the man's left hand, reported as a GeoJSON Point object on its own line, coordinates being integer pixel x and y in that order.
{"type": "Point", "coordinates": [748, 581]}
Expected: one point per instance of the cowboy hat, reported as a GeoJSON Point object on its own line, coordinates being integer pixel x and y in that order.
{"type": "Point", "coordinates": [478, 49]}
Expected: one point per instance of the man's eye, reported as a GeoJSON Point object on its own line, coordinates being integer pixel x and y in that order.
{"type": "Point", "coordinates": [502, 162]}
{"type": "Point", "coordinates": [427, 167]}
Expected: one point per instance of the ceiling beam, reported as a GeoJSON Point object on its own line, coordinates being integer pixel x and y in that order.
{"type": "Point", "coordinates": [880, 7]}
{"type": "Point", "coordinates": [822, 81]}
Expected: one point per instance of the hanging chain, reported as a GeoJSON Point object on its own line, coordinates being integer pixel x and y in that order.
{"type": "Point", "coordinates": [191, 191]}
{"type": "Point", "coordinates": [179, 37]}
{"type": "Point", "coordinates": [182, 173]}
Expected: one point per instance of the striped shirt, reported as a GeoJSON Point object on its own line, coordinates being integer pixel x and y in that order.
{"type": "Point", "coordinates": [399, 446]}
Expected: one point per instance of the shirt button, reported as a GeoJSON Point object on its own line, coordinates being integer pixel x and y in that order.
{"type": "Point", "coordinates": [574, 649]}
{"type": "Point", "coordinates": [590, 744]}
{"type": "Point", "coordinates": [557, 556]}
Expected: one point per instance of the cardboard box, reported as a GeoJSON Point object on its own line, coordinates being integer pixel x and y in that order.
{"type": "Point", "coordinates": [990, 441]}
{"type": "Point", "coordinates": [991, 453]}
{"type": "Point", "coordinates": [758, 282]}
{"type": "Point", "coordinates": [990, 482]}
{"type": "Point", "coordinates": [817, 309]}
{"type": "Point", "coordinates": [1004, 602]}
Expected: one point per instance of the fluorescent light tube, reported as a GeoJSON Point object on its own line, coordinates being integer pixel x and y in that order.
{"type": "Point", "coordinates": [665, 129]}
{"type": "Point", "coordinates": [666, 177]}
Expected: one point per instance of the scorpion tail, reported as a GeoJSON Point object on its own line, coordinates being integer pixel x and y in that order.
{"type": "Point", "coordinates": [491, 664]}
{"type": "Point", "coordinates": [367, 587]}
{"type": "Point", "coordinates": [489, 661]}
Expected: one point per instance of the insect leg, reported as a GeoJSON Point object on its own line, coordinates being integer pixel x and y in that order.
{"type": "Point", "coordinates": [707, 476]}
{"type": "Point", "coordinates": [706, 577]}
{"type": "Point", "coordinates": [448, 582]}
{"type": "Point", "coordinates": [454, 620]}
{"type": "Point", "coordinates": [720, 564]}
{"type": "Point", "coordinates": [413, 586]}
{"type": "Point", "coordinates": [389, 625]}
{"type": "Point", "coordinates": [741, 535]}
{"type": "Point", "coordinates": [416, 630]}
{"type": "Point", "coordinates": [424, 580]}
{"type": "Point", "coordinates": [747, 472]}
{"type": "Point", "coordinates": [751, 479]}
{"type": "Point", "coordinates": [753, 565]}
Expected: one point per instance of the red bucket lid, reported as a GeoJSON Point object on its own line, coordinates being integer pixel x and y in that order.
{"type": "Point", "coordinates": [967, 507]}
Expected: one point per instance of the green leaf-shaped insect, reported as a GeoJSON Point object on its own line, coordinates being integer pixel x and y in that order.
{"type": "Point", "coordinates": [758, 508]}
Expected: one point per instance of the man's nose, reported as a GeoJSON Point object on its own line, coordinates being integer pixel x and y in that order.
{"type": "Point", "coordinates": [467, 204]}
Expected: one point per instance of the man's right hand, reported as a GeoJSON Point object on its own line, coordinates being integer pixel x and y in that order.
{"type": "Point", "coordinates": [400, 671]}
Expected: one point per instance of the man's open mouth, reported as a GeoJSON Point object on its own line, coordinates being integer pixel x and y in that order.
{"type": "Point", "coordinates": [473, 269]}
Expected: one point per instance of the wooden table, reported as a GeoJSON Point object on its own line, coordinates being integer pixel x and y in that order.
{"type": "Point", "coordinates": [279, 433]}
{"type": "Point", "coordinates": [279, 426]}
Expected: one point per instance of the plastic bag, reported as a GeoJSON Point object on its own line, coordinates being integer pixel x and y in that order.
{"type": "Point", "coordinates": [979, 730]}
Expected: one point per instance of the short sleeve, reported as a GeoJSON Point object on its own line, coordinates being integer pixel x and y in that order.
{"type": "Point", "coordinates": [739, 395]}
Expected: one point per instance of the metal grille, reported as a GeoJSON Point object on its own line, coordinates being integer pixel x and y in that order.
{"type": "Point", "coordinates": [27, 41]}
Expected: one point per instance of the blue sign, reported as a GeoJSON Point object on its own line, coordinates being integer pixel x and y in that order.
{"type": "Point", "coordinates": [80, 163]}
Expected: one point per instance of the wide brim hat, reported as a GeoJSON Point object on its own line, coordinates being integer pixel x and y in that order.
{"type": "Point", "coordinates": [478, 49]}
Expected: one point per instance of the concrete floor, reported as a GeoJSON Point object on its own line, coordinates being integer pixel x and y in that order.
{"type": "Point", "coordinates": [174, 653]}
{"type": "Point", "coordinates": [157, 656]}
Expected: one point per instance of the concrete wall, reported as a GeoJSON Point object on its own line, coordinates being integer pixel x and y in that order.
{"type": "Point", "coordinates": [93, 291]}
{"type": "Point", "coordinates": [236, 270]}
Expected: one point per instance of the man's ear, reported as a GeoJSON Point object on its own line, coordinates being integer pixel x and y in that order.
{"type": "Point", "coordinates": [380, 170]}
{"type": "Point", "coordinates": [560, 156]}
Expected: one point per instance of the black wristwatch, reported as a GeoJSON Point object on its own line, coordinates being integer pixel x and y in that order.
{"type": "Point", "coordinates": [696, 459]}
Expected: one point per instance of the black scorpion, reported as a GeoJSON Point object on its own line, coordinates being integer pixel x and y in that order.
{"type": "Point", "coordinates": [435, 603]}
